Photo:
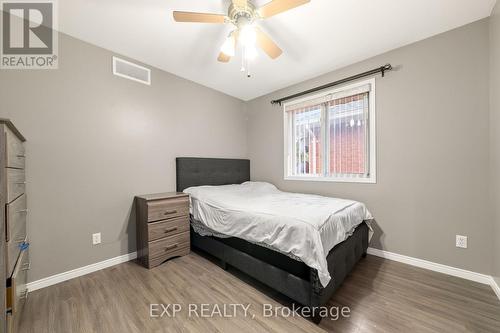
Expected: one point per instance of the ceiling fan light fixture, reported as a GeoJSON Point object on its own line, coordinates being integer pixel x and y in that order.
{"type": "Point", "coordinates": [229, 47]}
{"type": "Point", "coordinates": [250, 53]}
{"type": "Point", "coordinates": [248, 36]}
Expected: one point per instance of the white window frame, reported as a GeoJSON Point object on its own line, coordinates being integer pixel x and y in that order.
{"type": "Point", "coordinates": [372, 151]}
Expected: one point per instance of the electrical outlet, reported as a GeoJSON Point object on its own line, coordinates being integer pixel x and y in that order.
{"type": "Point", "coordinates": [461, 241]}
{"type": "Point", "coordinates": [96, 238]}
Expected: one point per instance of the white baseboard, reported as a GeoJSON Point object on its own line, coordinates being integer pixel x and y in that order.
{"type": "Point", "coordinates": [432, 266]}
{"type": "Point", "coordinates": [54, 279]}
{"type": "Point", "coordinates": [453, 271]}
{"type": "Point", "coordinates": [496, 287]}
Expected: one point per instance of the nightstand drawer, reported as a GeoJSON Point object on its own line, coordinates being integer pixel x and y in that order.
{"type": "Point", "coordinates": [168, 245]}
{"type": "Point", "coordinates": [167, 209]}
{"type": "Point", "coordinates": [153, 262]}
{"type": "Point", "coordinates": [161, 229]}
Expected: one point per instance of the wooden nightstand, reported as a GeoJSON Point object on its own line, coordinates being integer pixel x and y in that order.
{"type": "Point", "coordinates": [162, 227]}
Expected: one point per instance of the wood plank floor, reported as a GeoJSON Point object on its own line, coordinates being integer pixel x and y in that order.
{"type": "Point", "coordinates": [383, 296]}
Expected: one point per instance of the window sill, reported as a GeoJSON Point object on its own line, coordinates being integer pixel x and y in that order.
{"type": "Point", "coordinates": [371, 180]}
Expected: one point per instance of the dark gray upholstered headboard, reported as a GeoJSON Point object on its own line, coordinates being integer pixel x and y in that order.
{"type": "Point", "coordinates": [195, 171]}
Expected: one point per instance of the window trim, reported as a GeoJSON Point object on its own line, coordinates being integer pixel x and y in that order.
{"type": "Point", "coordinates": [372, 151]}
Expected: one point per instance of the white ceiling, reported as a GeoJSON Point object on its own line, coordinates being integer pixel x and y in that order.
{"type": "Point", "coordinates": [318, 37]}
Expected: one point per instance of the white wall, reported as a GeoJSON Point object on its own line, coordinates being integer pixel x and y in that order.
{"type": "Point", "coordinates": [433, 148]}
{"type": "Point", "coordinates": [96, 140]}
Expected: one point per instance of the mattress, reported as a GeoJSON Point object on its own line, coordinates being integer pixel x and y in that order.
{"type": "Point", "coordinates": [302, 226]}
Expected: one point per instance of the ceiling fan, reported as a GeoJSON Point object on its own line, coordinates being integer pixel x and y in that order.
{"type": "Point", "coordinates": [243, 15]}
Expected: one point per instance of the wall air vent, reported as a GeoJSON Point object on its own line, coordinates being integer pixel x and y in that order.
{"type": "Point", "coordinates": [131, 71]}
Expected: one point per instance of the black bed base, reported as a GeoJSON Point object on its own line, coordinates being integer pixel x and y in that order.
{"type": "Point", "coordinates": [290, 277]}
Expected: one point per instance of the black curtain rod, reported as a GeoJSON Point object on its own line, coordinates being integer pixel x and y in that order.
{"type": "Point", "coordinates": [375, 71]}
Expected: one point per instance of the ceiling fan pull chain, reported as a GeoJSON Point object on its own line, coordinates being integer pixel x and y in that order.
{"type": "Point", "coordinates": [243, 61]}
{"type": "Point", "coordinates": [249, 75]}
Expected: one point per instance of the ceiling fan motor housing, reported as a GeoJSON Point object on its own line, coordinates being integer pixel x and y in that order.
{"type": "Point", "coordinates": [242, 13]}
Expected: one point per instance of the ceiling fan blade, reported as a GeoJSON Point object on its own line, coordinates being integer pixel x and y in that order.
{"type": "Point", "coordinates": [199, 17]}
{"type": "Point", "coordinates": [267, 44]}
{"type": "Point", "coordinates": [279, 6]}
{"type": "Point", "coordinates": [223, 57]}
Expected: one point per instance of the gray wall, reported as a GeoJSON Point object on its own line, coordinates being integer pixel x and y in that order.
{"type": "Point", "coordinates": [495, 130]}
{"type": "Point", "coordinates": [433, 149]}
{"type": "Point", "coordinates": [96, 140]}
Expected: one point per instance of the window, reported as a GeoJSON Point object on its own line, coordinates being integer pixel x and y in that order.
{"type": "Point", "coordinates": [331, 136]}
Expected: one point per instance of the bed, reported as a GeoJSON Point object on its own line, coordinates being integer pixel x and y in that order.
{"type": "Point", "coordinates": [282, 272]}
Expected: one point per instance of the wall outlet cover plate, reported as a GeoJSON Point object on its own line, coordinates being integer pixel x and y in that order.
{"type": "Point", "coordinates": [96, 238]}
{"type": "Point", "coordinates": [461, 241]}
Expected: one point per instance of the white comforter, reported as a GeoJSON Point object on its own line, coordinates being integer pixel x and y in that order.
{"type": "Point", "coordinates": [306, 226]}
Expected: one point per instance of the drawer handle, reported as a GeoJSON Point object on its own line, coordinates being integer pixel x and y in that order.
{"type": "Point", "coordinates": [170, 230]}
{"type": "Point", "coordinates": [171, 247]}
{"type": "Point", "coordinates": [20, 183]}
{"type": "Point", "coordinates": [21, 155]}
{"type": "Point", "coordinates": [26, 266]}
{"type": "Point", "coordinates": [22, 211]}
{"type": "Point", "coordinates": [20, 240]}
{"type": "Point", "coordinates": [170, 212]}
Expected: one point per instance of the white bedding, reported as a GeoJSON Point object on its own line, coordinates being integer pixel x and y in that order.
{"type": "Point", "coordinates": [306, 226]}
